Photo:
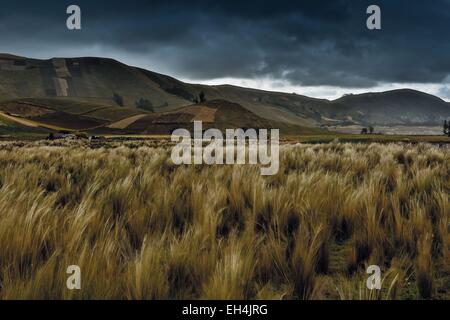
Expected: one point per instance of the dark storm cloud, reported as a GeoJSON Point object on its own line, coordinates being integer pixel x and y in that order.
{"type": "Point", "coordinates": [304, 42]}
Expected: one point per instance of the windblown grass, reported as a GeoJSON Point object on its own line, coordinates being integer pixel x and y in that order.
{"type": "Point", "coordinates": [140, 227]}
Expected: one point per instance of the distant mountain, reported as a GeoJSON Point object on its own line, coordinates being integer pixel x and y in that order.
{"type": "Point", "coordinates": [99, 92]}
{"type": "Point", "coordinates": [394, 107]}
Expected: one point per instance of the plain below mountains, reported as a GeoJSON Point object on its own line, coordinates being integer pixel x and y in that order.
{"type": "Point", "coordinates": [104, 95]}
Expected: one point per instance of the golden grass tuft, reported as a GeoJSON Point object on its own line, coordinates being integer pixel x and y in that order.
{"type": "Point", "coordinates": [140, 227]}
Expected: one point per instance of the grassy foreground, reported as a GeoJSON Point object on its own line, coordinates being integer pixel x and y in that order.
{"type": "Point", "coordinates": [141, 228]}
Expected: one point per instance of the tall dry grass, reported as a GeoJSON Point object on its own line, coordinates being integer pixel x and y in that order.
{"type": "Point", "coordinates": [140, 227]}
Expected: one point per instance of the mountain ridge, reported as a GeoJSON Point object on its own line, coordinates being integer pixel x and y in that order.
{"type": "Point", "coordinates": [110, 82]}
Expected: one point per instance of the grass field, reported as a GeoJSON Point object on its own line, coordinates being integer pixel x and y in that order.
{"type": "Point", "coordinates": [327, 137]}
{"type": "Point", "coordinates": [141, 228]}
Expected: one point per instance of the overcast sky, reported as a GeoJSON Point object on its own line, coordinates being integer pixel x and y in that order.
{"type": "Point", "coordinates": [318, 48]}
